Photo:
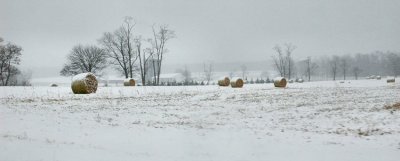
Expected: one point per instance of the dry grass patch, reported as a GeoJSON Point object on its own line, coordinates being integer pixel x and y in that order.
{"type": "Point", "coordinates": [395, 106]}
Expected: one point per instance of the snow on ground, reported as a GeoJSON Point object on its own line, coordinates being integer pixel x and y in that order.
{"type": "Point", "coordinates": [308, 121]}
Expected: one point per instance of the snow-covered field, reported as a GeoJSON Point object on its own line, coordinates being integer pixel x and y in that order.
{"type": "Point", "coordinates": [308, 121]}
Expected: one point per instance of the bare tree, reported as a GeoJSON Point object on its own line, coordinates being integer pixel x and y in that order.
{"type": "Point", "coordinates": [334, 63]}
{"type": "Point", "coordinates": [279, 61]}
{"type": "Point", "coordinates": [187, 75]}
{"type": "Point", "coordinates": [344, 64]}
{"type": "Point", "coordinates": [243, 69]}
{"type": "Point", "coordinates": [9, 58]}
{"type": "Point", "coordinates": [283, 60]}
{"type": "Point", "coordinates": [208, 72]}
{"type": "Point", "coordinates": [119, 46]}
{"type": "Point", "coordinates": [356, 72]}
{"type": "Point", "coordinates": [144, 57]}
{"type": "Point", "coordinates": [160, 39]}
{"type": "Point", "coordinates": [393, 63]}
{"type": "Point", "coordinates": [289, 48]}
{"type": "Point", "coordinates": [310, 68]}
{"type": "Point", "coordinates": [85, 59]}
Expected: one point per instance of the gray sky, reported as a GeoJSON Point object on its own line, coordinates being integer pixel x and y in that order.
{"type": "Point", "coordinates": [218, 30]}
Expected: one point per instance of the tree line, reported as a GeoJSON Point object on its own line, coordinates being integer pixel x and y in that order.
{"type": "Point", "coordinates": [128, 52]}
{"type": "Point", "coordinates": [336, 66]}
{"type": "Point", "coordinates": [332, 67]}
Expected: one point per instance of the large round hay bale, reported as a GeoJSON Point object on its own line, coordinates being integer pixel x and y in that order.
{"type": "Point", "coordinates": [84, 83]}
{"type": "Point", "coordinates": [224, 81]}
{"type": "Point", "coordinates": [129, 82]}
{"type": "Point", "coordinates": [390, 80]}
{"type": "Point", "coordinates": [237, 83]}
{"type": "Point", "coordinates": [280, 82]}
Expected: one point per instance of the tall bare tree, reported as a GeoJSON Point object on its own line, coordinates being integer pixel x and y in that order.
{"type": "Point", "coordinates": [119, 46]}
{"type": "Point", "coordinates": [87, 58]}
{"type": "Point", "coordinates": [344, 64]}
{"type": "Point", "coordinates": [283, 61]}
{"type": "Point", "coordinates": [289, 48]}
{"type": "Point", "coordinates": [310, 68]}
{"type": "Point", "coordinates": [356, 72]}
{"type": "Point", "coordinates": [160, 38]}
{"type": "Point", "coordinates": [144, 57]}
{"type": "Point", "coordinates": [208, 72]}
{"type": "Point", "coordinates": [279, 61]}
{"type": "Point", "coordinates": [334, 64]}
{"type": "Point", "coordinates": [9, 58]}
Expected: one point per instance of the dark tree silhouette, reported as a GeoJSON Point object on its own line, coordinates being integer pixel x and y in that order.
{"type": "Point", "coordinates": [85, 59]}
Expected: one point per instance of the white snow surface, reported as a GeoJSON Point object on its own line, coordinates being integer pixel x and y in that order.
{"type": "Point", "coordinates": [327, 121]}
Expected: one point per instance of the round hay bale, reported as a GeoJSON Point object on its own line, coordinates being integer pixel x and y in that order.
{"type": "Point", "coordinates": [390, 80]}
{"type": "Point", "coordinates": [378, 77]}
{"type": "Point", "coordinates": [224, 82]}
{"type": "Point", "coordinates": [280, 82]}
{"type": "Point", "coordinates": [237, 83]}
{"type": "Point", "coordinates": [53, 85]}
{"type": "Point", "coordinates": [129, 82]}
{"type": "Point", "coordinates": [84, 83]}
{"type": "Point", "coordinates": [300, 81]}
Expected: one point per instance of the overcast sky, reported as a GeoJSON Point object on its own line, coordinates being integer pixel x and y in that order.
{"type": "Point", "coordinates": [218, 30]}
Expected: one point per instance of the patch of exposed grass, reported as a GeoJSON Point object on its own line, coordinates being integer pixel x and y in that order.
{"type": "Point", "coordinates": [395, 106]}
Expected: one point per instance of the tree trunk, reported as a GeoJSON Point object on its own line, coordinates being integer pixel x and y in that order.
{"type": "Point", "coordinates": [8, 72]}
{"type": "Point", "coordinates": [334, 75]}
{"type": "Point", "coordinates": [154, 72]}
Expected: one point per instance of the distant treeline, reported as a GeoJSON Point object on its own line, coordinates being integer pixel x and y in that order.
{"type": "Point", "coordinates": [335, 67]}
{"type": "Point", "coordinates": [355, 66]}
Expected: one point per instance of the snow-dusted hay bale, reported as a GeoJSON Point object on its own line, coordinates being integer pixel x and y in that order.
{"type": "Point", "coordinates": [390, 80]}
{"type": "Point", "coordinates": [84, 83]}
{"type": "Point", "coordinates": [378, 77]}
{"type": "Point", "coordinates": [224, 81]}
{"type": "Point", "coordinates": [280, 82]}
{"type": "Point", "coordinates": [237, 82]}
{"type": "Point", "coordinates": [300, 81]}
{"type": "Point", "coordinates": [129, 82]}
